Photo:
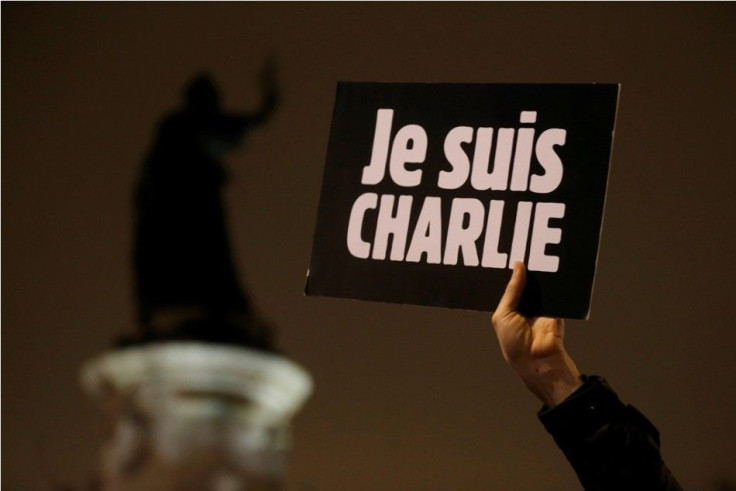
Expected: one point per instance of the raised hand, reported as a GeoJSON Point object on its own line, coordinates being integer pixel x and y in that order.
{"type": "Point", "coordinates": [533, 346]}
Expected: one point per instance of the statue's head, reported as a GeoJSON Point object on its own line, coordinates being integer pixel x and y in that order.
{"type": "Point", "coordinates": [201, 95]}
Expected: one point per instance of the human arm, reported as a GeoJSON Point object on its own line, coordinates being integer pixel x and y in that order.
{"type": "Point", "coordinates": [610, 445]}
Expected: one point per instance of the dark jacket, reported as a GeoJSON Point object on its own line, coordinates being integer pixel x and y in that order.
{"type": "Point", "coordinates": [611, 446]}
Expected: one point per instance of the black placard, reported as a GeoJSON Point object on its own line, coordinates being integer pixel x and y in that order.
{"type": "Point", "coordinates": [432, 191]}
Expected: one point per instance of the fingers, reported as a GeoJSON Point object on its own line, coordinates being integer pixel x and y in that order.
{"type": "Point", "coordinates": [512, 296]}
{"type": "Point", "coordinates": [553, 326]}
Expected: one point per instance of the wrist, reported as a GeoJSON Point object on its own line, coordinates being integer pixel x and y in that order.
{"type": "Point", "coordinates": [551, 379]}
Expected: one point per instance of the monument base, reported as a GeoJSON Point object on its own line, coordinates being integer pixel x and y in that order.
{"type": "Point", "coordinates": [189, 415]}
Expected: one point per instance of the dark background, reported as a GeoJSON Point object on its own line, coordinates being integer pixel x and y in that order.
{"type": "Point", "coordinates": [406, 397]}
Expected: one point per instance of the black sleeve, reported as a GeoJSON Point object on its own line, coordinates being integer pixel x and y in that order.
{"type": "Point", "coordinates": [611, 446]}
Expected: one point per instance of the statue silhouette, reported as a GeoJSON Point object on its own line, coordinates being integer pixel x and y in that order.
{"type": "Point", "coordinates": [186, 283]}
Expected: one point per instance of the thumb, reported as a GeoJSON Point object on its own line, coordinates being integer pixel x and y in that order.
{"type": "Point", "coordinates": [512, 296]}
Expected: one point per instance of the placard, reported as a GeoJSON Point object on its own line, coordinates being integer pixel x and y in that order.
{"type": "Point", "coordinates": [432, 191]}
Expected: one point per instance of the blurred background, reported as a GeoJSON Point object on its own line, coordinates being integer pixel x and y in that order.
{"type": "Point", "coordinates": [406, 397]}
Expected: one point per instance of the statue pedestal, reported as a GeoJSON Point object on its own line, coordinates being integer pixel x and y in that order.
{"type": "Point", "coordinates": [188, 415]}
